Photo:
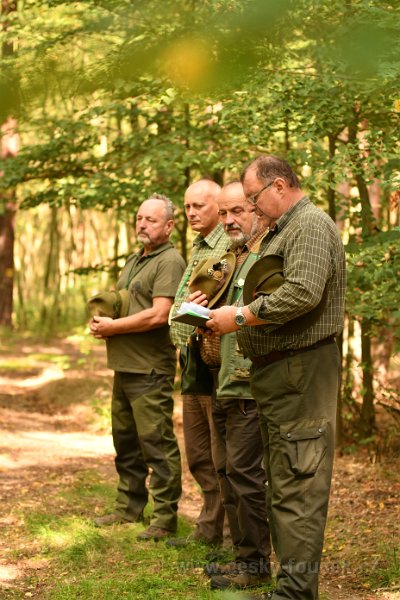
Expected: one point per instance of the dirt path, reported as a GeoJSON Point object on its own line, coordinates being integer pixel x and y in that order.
{"type": "Point", "coordinates": [48, 432]}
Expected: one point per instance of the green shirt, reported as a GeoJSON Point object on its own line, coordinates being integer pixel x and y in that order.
{"type": "Point", "coordinates": [214, 244]}
{"type": "Point", "coordinates": [147, 277]}
{"type": "Point", "coordinates": [313, 253]}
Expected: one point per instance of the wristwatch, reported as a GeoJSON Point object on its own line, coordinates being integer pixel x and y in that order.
{"type": "Point", "coordinates": [240, 319]}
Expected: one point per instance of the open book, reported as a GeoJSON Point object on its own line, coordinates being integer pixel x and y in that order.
{"type": "Point", "coordinates": [192, 314]}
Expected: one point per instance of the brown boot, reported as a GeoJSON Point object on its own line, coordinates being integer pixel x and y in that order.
{"type": "Point", "coordinates": [154, 533]}
{"type": "Point", "coordinates": [111, 519]}
{"type": "Point", "coordinates": [230, 568]}
{"type": "Point", "coordinates": [242, 580]}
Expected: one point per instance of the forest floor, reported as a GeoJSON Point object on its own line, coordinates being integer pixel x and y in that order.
{"type": "Point", "coordinates": [54, 422]}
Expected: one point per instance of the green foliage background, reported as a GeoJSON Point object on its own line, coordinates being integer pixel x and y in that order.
{"type": "Point", "coordinates": [117, 99]}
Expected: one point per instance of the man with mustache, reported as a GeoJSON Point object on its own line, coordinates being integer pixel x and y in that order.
{"type": "Point", "coordinates": [140, 352]}
{"type": "Point", "coordinates": [240, 451]}
{"type": "Point", "coordinates": [289, 335]}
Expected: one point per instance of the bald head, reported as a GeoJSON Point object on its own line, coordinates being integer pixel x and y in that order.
{"type": "Point", "coordinates": [201, 206]}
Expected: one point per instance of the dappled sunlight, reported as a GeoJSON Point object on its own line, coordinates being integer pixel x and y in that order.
{"type": "Point", "coordinates": [8, 573]}
{"type": "Point", "coordinates": [65, 533]}
{"type": "Point", "coordinates": [50, 373]}
{"type": "Point", "coordinates": [50, 448]}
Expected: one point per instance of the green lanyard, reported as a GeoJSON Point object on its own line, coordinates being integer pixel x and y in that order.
{"type": "Point", "coordinates": [183, 283]}
{"type": "Point", "coordinates": [243, 270]}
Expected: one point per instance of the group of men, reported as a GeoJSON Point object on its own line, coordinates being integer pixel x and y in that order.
{"type": "Point", "coordinates": [259, 383]}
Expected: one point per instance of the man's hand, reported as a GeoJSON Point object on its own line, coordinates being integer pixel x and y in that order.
{"type": "Point", "coordinates": [101, 327]}
{"type": "Point", "coordinates": [222, 320]}
{"type": "Point", "coordinates": [198, 298]}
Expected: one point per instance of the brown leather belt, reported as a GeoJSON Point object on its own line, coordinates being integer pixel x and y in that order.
{"type": "Point", "coordinates": [275, 355]}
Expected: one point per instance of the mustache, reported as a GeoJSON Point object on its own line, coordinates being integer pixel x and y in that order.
{"type": "Point", "coordinates": [233, 228]}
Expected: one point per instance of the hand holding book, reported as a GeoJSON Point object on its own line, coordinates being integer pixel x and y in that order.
{"type": "Point", "coordinates": [192, 314]}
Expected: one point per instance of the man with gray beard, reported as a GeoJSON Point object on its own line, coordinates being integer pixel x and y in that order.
{"type": "Point", "coordinates": [140, 352]}
{"type": "Point", "coordinates": [240, 452]}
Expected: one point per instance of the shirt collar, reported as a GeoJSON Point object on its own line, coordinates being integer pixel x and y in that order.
{"type": "Point", "coordinates": [211, 239]}
{"type": "Point", "coordinates": [289, 214]}
{"type": "Point", "coordinates": [157, 250]}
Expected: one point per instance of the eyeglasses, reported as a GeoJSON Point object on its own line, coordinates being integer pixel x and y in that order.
{"type": "Point", "coordinates": [253, 199]}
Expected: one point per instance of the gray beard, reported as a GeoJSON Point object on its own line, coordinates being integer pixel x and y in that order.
{"type": "Point", "coordinates": [239, 242]}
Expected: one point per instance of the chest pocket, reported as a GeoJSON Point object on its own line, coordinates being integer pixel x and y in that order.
{"type": "Point", "coordinates": [304, 445]}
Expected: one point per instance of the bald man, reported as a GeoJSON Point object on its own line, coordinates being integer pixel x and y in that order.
{"type": "Point", "coordinates": [201, 210]}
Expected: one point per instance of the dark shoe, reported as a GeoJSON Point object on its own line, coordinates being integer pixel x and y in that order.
{"type": "Point", "coordinates": [240, 581]}
{"type": "Point", "coordinates": [154, 533]}
{"type": "Point", "coordinates": [230, 568]}
{"type": "Point", "coordinates": [111, 519]}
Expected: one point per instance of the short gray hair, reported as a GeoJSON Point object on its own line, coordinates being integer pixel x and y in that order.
{"type": "Point", "coordinates": [169, 207]}
{"type": "Point", "coordinates": [270, 167]}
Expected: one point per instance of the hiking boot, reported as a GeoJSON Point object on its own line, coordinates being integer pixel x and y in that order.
{"type": "Point", "coordinates": [154, 533]}
{"type": "Point", "coordinates": [112, 519]}
{"type": "Point", "coordinates": [231, 568]}
{"type": "Point", "coordinates": [242, 580]}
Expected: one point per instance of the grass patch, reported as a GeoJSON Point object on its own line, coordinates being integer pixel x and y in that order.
{"type": "Point", "coordinates": [89, 563]}
{"type": "Point", "coordinates": [62, 361]}
{"type": "Point", "coordinates": [108, 564]}
{"type": "Point", "coordinates": [101, 407]}
{"type": "Point", "coordinates": [19, 364]}
{"type": "Point", "coordinates": [386, 571]}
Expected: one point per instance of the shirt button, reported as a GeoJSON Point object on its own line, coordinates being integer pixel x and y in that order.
{"type": "Point", "coordinates": [289, 435]}
{"type": "Point", "coordinates": [320, 430]}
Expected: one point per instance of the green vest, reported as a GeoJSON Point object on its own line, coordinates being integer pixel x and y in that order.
{"type": "Point", "coordinates": [234, 373]}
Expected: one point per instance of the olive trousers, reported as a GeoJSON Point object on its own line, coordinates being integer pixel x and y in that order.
{"type": "Point", "coordinates": [296, 399]}
{"type": "Point", "coordinates": [144, 440]}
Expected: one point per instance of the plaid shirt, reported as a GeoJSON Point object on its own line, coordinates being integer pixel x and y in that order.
{"type": "Point", "coordinates": [214, 244]}
{"type": "Point", "coordinates": [314, 258]}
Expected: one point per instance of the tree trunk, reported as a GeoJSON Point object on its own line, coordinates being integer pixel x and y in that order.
{"type": "Point", "coordinates": [51, 282]}
{"type": "Point", "coordinates": [331, 177]}
{"type": "Point", "coordinates": [339, 411]}
{"type": "Point", "coordinates": [9, 145]}
{"type": "Point", "coordinates": [367, 420]}
{"type": "Point", "coordinates": [332, 213]}
{"type": "Point", "coordinates": [7, 223]}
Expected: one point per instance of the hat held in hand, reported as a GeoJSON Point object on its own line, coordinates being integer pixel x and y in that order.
{"type": "Point", "coordinates": [212, 276]}
{"type": "Point", "coordinates": [264, 278]}
{"type": "Point", "coordinates": [114, 304]}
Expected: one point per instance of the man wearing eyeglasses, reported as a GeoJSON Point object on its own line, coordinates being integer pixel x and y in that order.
{"type": "Point", "coordinates": [296, 367]}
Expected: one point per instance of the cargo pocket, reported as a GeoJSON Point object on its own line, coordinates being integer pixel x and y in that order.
{"type": "Point", "coordinates": [304, 444]}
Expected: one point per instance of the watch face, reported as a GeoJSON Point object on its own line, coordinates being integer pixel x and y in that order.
{"type": "Point", "coordinates": [240, 319]}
